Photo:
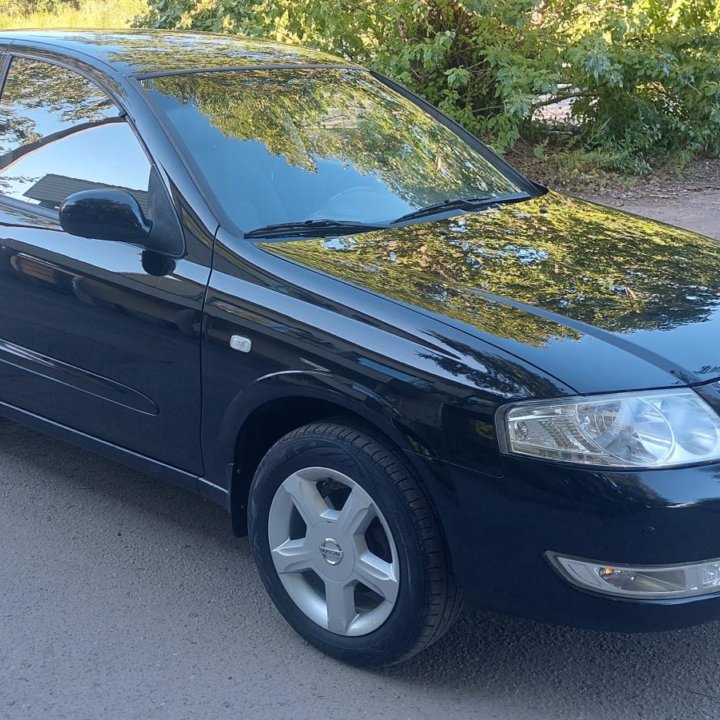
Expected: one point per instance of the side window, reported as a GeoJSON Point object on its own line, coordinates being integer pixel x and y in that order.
{"type": "Point", "coordinates": [60, 134]}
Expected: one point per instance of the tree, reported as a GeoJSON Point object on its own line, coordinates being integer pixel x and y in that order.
{"type": "Point", "coordinates": [643, 75]}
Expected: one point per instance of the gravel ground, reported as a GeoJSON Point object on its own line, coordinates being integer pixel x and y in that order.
{"type": "Point", "coordinates": [691, 201]}
{"type": "Point", "coordinates": [124, 598]}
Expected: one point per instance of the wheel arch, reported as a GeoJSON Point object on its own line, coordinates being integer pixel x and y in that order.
{"type": "Point", "coordinates": [281, 403]}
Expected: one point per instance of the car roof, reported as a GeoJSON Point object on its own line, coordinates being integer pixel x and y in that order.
{"type": "Point", "coordinates": [155, 52]}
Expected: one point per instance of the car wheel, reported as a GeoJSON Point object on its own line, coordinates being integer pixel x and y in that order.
{"type": "Point", "coordinates": [348, 547]}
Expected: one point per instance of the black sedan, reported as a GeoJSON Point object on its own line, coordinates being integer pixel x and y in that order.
{"type": "Point", "coordinates": [413, 376]}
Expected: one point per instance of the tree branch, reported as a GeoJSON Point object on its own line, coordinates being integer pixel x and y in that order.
{"type": "Point", "coordinates": [559, 98]}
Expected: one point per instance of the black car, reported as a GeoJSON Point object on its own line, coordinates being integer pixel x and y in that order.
{"type": "Point", "coordinates": [413, 376]}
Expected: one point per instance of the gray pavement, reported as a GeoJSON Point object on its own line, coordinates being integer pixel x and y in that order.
{"type": "Point", "coordinates": [697, 210]}
{"type": "Point", "coordinates": [121, 597]}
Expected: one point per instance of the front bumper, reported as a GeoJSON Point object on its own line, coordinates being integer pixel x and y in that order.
{"type": "Point", "coordinates": [499, 530]}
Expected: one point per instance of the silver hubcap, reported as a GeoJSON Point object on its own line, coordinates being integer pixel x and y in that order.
{"type": "Point", "coordinates": [333, 551]}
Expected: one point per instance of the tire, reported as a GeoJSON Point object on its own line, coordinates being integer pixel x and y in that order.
{"type": "Point", "coordinates": [348, 546]}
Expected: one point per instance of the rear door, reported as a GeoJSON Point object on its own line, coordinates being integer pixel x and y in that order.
{"type": "Point", "coordinates": [99, 336]}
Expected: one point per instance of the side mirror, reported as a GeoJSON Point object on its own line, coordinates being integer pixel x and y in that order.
{"type": "Point", "coordinates": [104, 215]}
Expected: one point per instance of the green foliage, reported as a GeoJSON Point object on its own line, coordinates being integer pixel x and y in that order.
{"type": "Point", "coordinates": [27, 7]}
{"type": "Point", "coordinates": [642, 77]}
{"type": "Point", "coordinates": [69, 13]}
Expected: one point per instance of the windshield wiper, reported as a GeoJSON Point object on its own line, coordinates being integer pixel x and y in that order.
{"type": "Point", "coordinates": [468, 204]}
{"type": "Point", "coordinates": [327, 226]}
{"type": "Point", "coordinates": [313, 227]}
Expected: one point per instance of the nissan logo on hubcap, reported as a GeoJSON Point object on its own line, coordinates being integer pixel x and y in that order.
{"type": "Point", "coordinates": [331, 551]}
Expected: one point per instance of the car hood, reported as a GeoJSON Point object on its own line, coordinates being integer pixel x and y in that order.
{"type": "Point", "coordinates": [598, 298]}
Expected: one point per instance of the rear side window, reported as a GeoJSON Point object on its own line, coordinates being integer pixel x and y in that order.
{"type": "Point", "coordinates": [59, 134]}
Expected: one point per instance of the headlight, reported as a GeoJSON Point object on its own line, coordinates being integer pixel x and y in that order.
{"type": "Point", "coordinates": [660, 428]}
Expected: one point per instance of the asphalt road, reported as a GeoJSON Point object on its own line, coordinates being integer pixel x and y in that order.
{"type": "Point", "coordinates": [124, 598]}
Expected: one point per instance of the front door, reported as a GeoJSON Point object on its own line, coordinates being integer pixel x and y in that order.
{"type": "Point", "coordinates": [99, 336]}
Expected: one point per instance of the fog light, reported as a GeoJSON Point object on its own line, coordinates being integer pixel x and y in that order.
{"type": "Point", "coordinates": [642, 582]}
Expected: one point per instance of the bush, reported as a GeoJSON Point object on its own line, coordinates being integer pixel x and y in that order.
{"type": "Point", "coordinates": [643, 78]}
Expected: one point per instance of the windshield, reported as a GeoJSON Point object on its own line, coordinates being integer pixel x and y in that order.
{"type": "Point", "coordinates": [301, 145]}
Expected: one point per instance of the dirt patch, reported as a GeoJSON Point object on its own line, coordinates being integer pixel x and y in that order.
{"type": "Point", "coordinates": [690, 200]}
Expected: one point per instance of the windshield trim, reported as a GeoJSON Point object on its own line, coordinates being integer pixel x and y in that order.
{"type": "Point", "coordinates": [224, 219]}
